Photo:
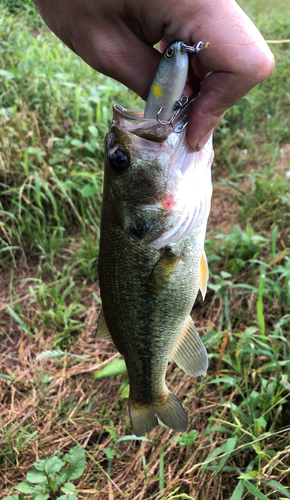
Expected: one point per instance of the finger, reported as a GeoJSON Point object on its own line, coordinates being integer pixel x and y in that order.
{"type": "Point", "coordinates": [106, 39]}
{"type": "Point", "coordinates": [238, 61]}
{"type": "Point", "coordinates": [219, 91]}
{"type": "Point", "coordinates": [120, 55]}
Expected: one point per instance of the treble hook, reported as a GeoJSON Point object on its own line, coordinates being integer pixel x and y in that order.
{"type": "Point", "coordinates": [180, 130]}
{"type": "Point", "coordinates": [178, 106]}
{"type": "Point", "coordinates": [165, 122]}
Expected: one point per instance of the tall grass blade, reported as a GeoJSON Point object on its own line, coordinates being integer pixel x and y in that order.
{"type": "Point", "coordinates": [224, 450]}
{"type": "Point", "coordinates": [238, 491]}
{"type": "Point", "coordinates": [254, 491]}
{"type": "Point", "coordinates": [260, 308]}
{"type": "Point", "coordinates": [274, 240]}
{"type": "Point", "coordinates": [19, 321]}
{"type": "Point", "coordinates": [161, 470]}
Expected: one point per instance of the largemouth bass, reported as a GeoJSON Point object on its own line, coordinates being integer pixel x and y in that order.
{"type": "Point", "coordinates": [156, 202]}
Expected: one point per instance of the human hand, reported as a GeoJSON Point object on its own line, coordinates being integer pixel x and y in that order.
{"type": "Point", "coordinates": [116, 37]}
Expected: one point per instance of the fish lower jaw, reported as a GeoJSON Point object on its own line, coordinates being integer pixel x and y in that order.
{"type": "Point", "coordinates": [182, 229]}
{"type": "Point", "coordinates": [179, 212]}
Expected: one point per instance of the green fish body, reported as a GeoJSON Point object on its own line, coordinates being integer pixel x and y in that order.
{"type": "Point", "coordinates": [156, 202]}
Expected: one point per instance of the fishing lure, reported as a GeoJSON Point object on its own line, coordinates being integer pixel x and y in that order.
{"type": "Point", "coordinates": [165, 100]}
{"type": "Point", "coordinates": [168, 83]}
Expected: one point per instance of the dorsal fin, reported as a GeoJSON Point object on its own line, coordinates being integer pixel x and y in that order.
{"type": "Point", "coordinates": [203, 274]}
{"type": "Point", "coordinates": [190, 354]}
{"type": "Point", "coordinates": [102, 329]}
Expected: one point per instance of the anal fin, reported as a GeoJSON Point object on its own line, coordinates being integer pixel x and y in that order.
{"type": "Point", "coordinates": [190, 354]}
{"type": "Point", "coordinates": [203, 274]}
{"type": "Point", "coordinates": [102, 329]}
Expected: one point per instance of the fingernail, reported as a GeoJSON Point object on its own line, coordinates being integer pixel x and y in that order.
{"type": "Point", "coordinates": [203, 140]}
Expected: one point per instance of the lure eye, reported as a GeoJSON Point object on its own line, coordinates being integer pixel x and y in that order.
{"type": "Point", "coordinates": [169, 51]}
{"type": "Point", "coordinates": [119, 160]}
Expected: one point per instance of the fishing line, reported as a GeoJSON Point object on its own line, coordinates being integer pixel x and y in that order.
{"type": "Point", "coordinates": [209, 45]}
{"type": "Point", "coordinates": [278, 41]}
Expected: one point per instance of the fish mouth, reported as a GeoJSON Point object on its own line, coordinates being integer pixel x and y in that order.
{"type": "Point", "coordinates": [135, 123]}
{"type": "Point", "coordinates": [150, 128]}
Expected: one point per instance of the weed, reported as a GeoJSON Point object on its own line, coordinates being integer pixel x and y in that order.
{"type": "Point", "coordinates": [49, 478]}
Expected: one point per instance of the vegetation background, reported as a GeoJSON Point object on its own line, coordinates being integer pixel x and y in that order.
{"type": "Point", "coordinates": [59, 386]}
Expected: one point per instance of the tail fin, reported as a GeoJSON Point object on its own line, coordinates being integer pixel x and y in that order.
{"type": "Point", "coordinates": [142, 418]}
{"type": "Point", "coordinates": [170, 412]}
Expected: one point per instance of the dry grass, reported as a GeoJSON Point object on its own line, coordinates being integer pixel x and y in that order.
{"type": "Point", "coordinates": [24, 405]}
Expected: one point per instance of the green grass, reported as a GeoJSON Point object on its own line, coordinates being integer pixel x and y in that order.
{"type": "Point", "coordinates": [55, 112]}
{"type": "Point", "coordinates": [59, 386]}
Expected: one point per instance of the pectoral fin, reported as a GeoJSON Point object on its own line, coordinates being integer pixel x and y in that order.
{"type": "Point", "coordinates": [190, 354]}
{"type": "Point", "coordinates": [162, 272]}
{"type": "Point", "coordinates": [203, 274]}
{"type": "Point", "coordinates": [102, 329]}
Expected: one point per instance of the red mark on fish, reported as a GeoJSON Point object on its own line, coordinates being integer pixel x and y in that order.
{"type": "Point", "coordinates": [168, 202]}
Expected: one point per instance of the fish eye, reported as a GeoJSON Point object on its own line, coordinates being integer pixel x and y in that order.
{"type": "Point", "coordinates": [169, 51]}
{"type": "Point", "coordinates": [119, 160]}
